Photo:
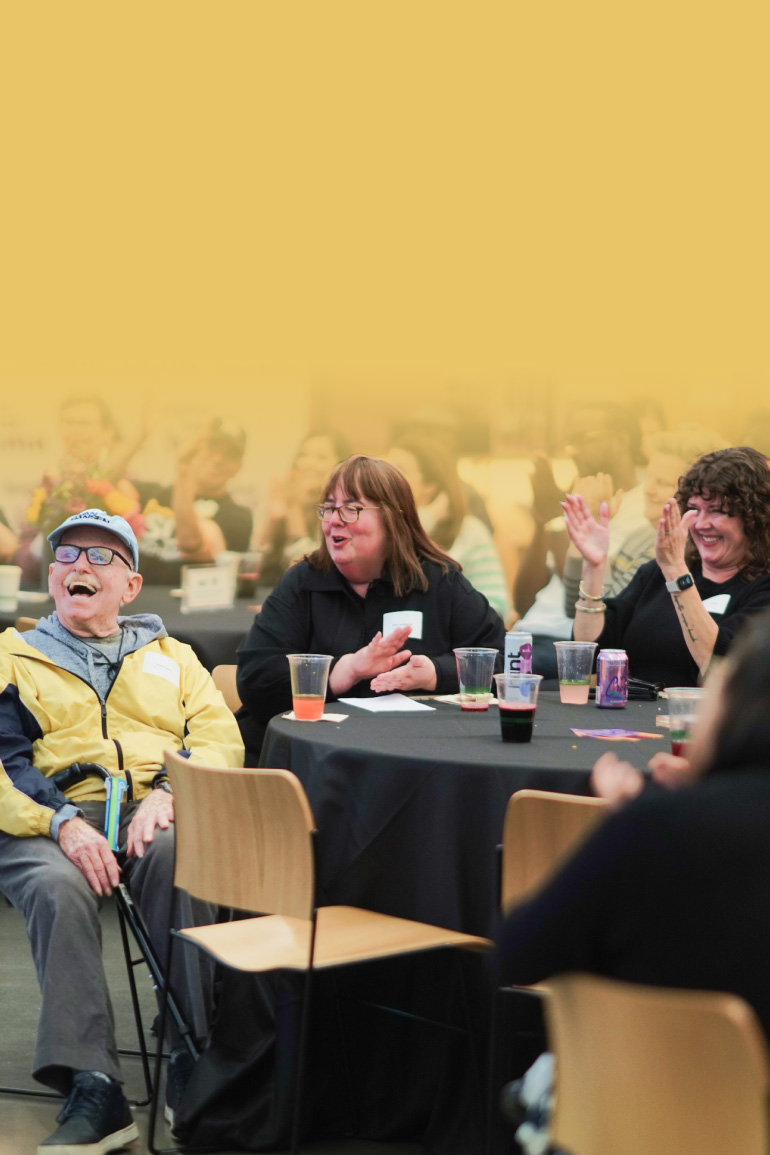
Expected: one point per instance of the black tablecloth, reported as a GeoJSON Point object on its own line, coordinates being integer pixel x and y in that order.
{"type": "Point", "coordinates": [213, 634]}
{"type": "Point", "coordinates": [409, 809]}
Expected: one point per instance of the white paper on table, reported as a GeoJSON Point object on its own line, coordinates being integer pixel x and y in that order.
{"type": "Point", "coordinates": [387, 704]}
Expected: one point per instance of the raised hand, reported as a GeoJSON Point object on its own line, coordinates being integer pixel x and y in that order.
{"type": "Point", "coordinates": [595, 489]}
{"type": "Point", "coordinates": [671, 539]}
{"type": "Point", "coordinates": [419, 673]}
{"type": "Point", "coordinates": [589, 536]}
{"type": "Point", "coordinates": [546, 495]}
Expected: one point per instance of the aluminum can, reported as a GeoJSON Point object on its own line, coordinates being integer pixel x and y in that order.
{"type": "Point", "coordinates": [612, 679]}
{"type": "Point", "coordinates": [518, 652]}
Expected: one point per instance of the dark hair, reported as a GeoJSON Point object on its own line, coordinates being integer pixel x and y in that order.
{"type": "Point", "coordinates": [742, 737]}
{"type": "Point", "coordinates": [739, 479]}
{"type": "Point", "coordinates": [105, 413]}
{"type": "Point", "coordinates": [340, 445]}
{"type": "Point", "coordinates": [374, 480]}
{"type": "Point", "coordinates": [438, 468]}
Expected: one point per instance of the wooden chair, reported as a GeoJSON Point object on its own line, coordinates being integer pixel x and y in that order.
{"type": "Point", "coordinates": [24, 624]}
{"type": "Point", "coordinates": [540, 831]}
{"type": "Point", "coordinates": [245, 839]}
{"type": "Point", "coordinates": [643, 1070]}
{"type": "Point", "coordinates": [224, 680]}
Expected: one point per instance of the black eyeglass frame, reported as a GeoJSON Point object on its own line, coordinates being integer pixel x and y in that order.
{"type": "Point", "coordinates": [87, 550]}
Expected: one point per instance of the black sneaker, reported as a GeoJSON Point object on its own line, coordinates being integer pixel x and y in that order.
{"type": "Point", "coordinates": [95, 1119]}
{"type": "Point", "coordinates": [180, 1068]}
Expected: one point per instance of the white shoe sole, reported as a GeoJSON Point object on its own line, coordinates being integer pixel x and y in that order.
{"type": "Point", "coordinates": [109, 1143]}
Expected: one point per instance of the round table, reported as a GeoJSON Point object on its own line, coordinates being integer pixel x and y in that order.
{"type": "Point", "coordinates": [409, 809]}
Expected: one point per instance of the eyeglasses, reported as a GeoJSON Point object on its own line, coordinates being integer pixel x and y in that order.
{"type": "Point", "coordinates": [348, 513]}
{"type": "Point", "coordinates": [96, 554]}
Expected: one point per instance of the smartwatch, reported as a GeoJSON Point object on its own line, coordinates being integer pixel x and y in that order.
{"type": "Point", "coordinates": [684, 582]}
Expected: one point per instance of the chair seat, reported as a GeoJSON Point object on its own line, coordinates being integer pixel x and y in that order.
{"type": "Point", "coordinates": [344, 935]}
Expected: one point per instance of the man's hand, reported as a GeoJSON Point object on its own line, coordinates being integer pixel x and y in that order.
{"type": "Point", "coordinates": [418, 674]}
{"type": "Point", "coordinates": [157, 809]}
{"type": "Point", "coordinates": [91, 854]}
{"type": "Point", "coordinates": [596, 489]}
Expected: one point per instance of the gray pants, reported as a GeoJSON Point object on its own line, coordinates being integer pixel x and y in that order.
{"type": "Point", "coordinates": [76, 1026]}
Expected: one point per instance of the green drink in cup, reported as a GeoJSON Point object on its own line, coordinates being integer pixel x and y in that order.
{"type": "Point", "coordinates": [682, 705]}
{"type": "Point", "coordinates": [475, 667]}
{"type": "Point", "coordinates": [575, 661]}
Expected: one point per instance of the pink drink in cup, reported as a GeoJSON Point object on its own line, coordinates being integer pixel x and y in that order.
{"type": "Point", "coordinates": [309, 679]}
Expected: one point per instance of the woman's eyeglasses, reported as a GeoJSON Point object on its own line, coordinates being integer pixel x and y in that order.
{"type": "Point", "coordinates": [348, 513]}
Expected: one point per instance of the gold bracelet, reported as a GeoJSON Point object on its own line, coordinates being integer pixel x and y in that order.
{"type": "Point", "coordinates": [591, 597]}
{"type": "Point", "coordinates": [590, 609]}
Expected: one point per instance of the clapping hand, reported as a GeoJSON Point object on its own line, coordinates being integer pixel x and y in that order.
{"type": "Point", "coordinates": [589, 536]}
{"type": "Point", "coordinates": [671, 539]}
{"type": "Point", "coordinates": [382, 654]}
{"type": "Point", "coordinates": [546, 494]}
{"type": "Point", "coordinates": [419, 673]}
{"type": "Point", "coordinates": [596, 488]}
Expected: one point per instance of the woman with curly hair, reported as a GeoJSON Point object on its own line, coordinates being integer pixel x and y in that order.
{"type": "Point", "coordinates": [711, 569]}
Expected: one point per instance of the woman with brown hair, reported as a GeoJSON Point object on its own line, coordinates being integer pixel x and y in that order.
{"type": "Point", "coordinates": [374, 564]}
{"type": "Point", "coordinates": [711, 569]}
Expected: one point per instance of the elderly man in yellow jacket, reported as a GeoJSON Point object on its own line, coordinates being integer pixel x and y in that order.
{"type": "Point", "coordinates": [89, 686]}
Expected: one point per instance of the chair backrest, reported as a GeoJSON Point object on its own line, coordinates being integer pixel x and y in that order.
{"type": "Point", "coordinates": [243, 837]}
{"type": "Point", "coordinates": [646, 1071]}
{"type": "Point", "coordinates": [224, 680]}
{"type": "Point", "coordinates": [24, 624]}
{"type": "Point", "coordinates": [541, 829]}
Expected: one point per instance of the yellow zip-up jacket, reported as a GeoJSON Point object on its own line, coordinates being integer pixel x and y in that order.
{"type": "Point", "coordinates": [162, 698]}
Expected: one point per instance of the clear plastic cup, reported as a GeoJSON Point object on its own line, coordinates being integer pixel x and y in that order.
{"type": "Point", "coordinates": [309, 679]}
{"type": "Point", "coordinates": [575, 661]}
{"type": "Point", "coordinates": [10, 576]}
{"type": "Point", "coordinates": [517, 702]}
{"type": "Point", "coordinates": [682, 705]}
{"type": "Point", "coordinates": [475, 667]}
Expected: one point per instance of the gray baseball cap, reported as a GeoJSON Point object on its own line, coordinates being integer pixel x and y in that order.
{"type": "Point", "coordinates": [117, 526]}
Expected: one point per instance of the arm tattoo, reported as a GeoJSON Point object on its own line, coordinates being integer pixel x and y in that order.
{"type": "Point", "coordinates": [685, 623]}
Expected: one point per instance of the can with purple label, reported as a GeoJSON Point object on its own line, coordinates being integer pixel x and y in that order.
{"type": "Point", "coordinates": [518, 652]}
{"type": "Point", "coordinates": [612, 679]}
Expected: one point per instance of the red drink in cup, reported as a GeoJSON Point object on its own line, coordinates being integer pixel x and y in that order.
{"type": "Point", "coordinates": [682, 706]}
{"type": "Point", "coordinates": [517, 701]}
{"type": "Point", "coordinates": [309, 678]}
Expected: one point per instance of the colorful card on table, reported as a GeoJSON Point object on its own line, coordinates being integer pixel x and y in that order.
{"type": "Point", "coordinates": [615, 735]}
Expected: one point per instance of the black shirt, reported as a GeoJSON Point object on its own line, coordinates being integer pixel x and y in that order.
{"type": "Point", "coordinates": [643, 621]}
{"type": "Point", "coordinates": [160, 560]}
{"type": "Point", "coordinates": [670, 891]}
{"type": "Point", "coordinates": [317, 613]}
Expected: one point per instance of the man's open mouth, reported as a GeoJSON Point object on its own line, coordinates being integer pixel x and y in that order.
{"type": "Point", "coordinates": [81, 589]}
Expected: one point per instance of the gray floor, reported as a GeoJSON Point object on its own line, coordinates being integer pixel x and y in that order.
{"type": "Point", "coordinates": [24, 1122]}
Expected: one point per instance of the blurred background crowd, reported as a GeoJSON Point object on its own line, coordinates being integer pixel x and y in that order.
{"type": "Point", "coordinates": [488, 466]}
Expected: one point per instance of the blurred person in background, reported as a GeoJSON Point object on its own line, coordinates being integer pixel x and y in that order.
{"type": "Point", "coordinates": [375, 561]}
{"type": "Point", "coordinates": [604, 441]}
{"type": "Point", "coordinates": [9, 542]}
{"type": "Point", "coordinates": [711, 569]}
{"type": "Point", "coordinates": [442, 425]}
{"type": "Point", "coordinates": [443, 510]}
{"type": "Point", "coordinates": [91, 448]}
{"type": "Point", "coordinates": [292, 528]}
{"type": "Point", "coordinates": [195, 519]}
{"type": "Point", "coordinates": [652, 420]}
{"type": "Point", "coordinates": [670, 456]}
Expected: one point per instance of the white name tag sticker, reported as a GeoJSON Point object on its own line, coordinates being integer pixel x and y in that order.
{"type": "Point", "coordinates": [162, 667]}
{"type": "Point", "coordinates": [412, 618]}
{"type": "Point", "coordinates": [718, 604]}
